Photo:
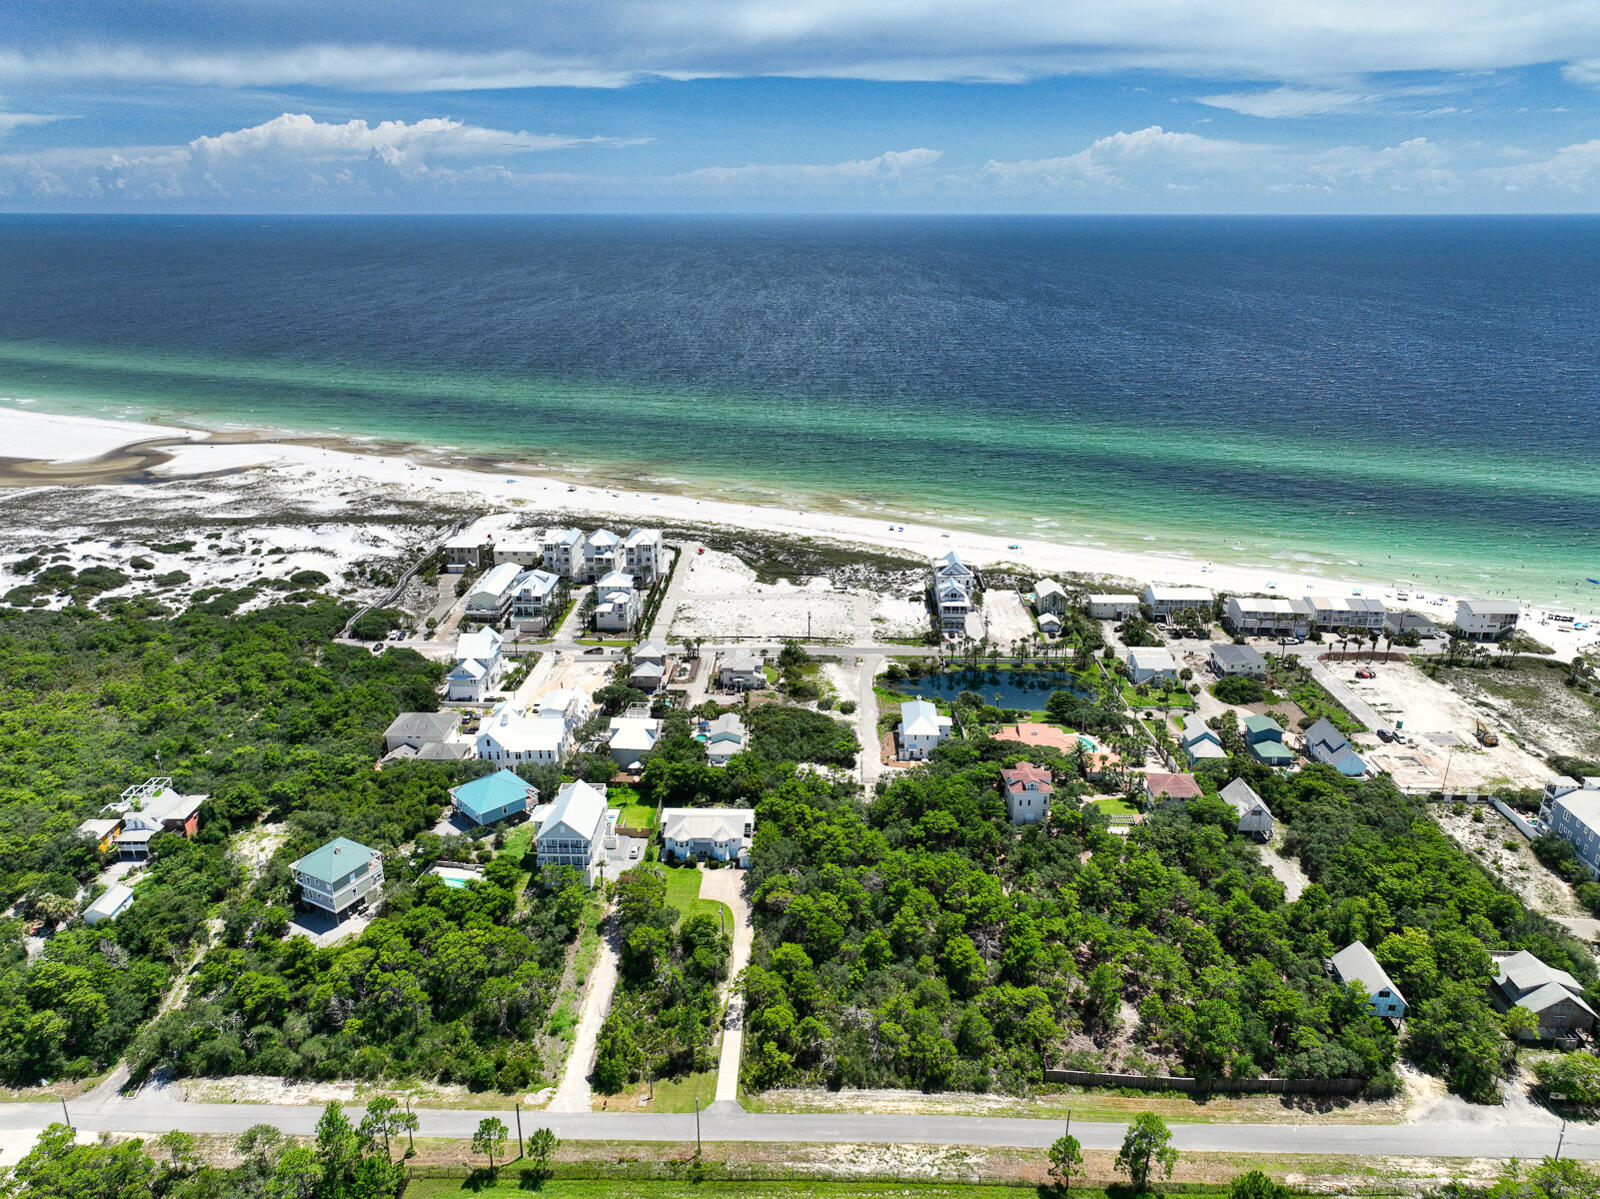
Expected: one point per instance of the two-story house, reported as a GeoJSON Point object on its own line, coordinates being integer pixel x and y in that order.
{"type": "Point", "coordinates": [921, 730]}
{"type": "Point", "coordinates": [1486, 620]}
{"type": "Point", "coordinates": [575, 829]}
{"type": "Point", "coordinates": [1354, 965]}
{"type": "Point", "coordinates": [713, 834]}
{"type": "Point", "coordinates": [1029, 790]}
{"type": "Point", "coordinates": [339, 876]}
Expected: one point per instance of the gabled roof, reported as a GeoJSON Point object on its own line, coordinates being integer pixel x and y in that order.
{"type": "Point", "coordinates": [482, 644]}
{"type": "Point", "coordinates": [562, 701]}
{"type": "Point", "coordinates": [517, 732]}
{"type": "Point", "coordinates": [919, 718]}
{"type": "Point", "coordinates": [651, 651]}
{"type": "Point", "coordinates": [579, 810]}
{"type": "Point", "coordinates": [1243, 798]}
{"type": "Point", "coordinates": [469, 668]}
{"type": "Point", "coordinates": [744, 661]}
{"type": "Point", "coordinates": [1172, 786]}
{"type": "Point", "coordinates": [951, 564]}
{"type": "Point", "coordinates": [727, 727]}
{"type": "Point", "coordinates": [493, 791]}
{"type": "Point", "coordinates": [1548, 996]}
{"type": "Point", "coordinates": [110, 903]}
{"type": "Point", "coordinates": [616, 580]}
{"type": "Point", "coordinates": [1263, 724]}
{"type": "Point", "coordinates": [949, 589]}
{"type": "Point", "coordinates": [1272, 750]}
{"type": "Point", "coordinates": [1196, 729]}
{"type": "Point", "coordinates": [638, 536]}
{"type": "Point", "coordinates": [601, 539]}
{"type": "Point", "coordinates": [498, 580]}
{"type": "Point", "coordinates": [1325, 736]}
{"type": "Point", "coordinates": [423, 726]}
{"type": "Point", "coordinates": [1355, 964]}
{"type": "Point", "coordinates": [537, 582]}
{"type": "Point", "coordinates": [713, 824]}
{"type": "Point", "coordinates": [648, 670]}
{"type": "Point", "coordinates": [1489, 607]}
{"type": "Point", "coordinates": [1046, 587]}
{"type": "Point", "coordinates": [1238, 655]}
{"type": "Point", "coordinates": [1049, 618]}
{"type": "Point", "coordinates": [1524, 972]}
{"type": "Point", "coordinates": [557, 537]}
{"type": "Point", "coordinates": [1146, 657]}
{"type": "Point", "coordinates": [1016, 779]}
{"type": "Point", "coordinates": [334, 860]}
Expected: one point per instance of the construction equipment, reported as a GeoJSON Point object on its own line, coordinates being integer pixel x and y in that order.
{"type": "Point", "coordinates": [1486, 735]}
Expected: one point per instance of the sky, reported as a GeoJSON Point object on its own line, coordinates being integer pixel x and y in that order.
{"type": "Point", "coordinates": [794, 106]}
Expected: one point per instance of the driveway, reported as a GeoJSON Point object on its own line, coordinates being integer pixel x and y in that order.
{"type": "Point", "coordinates": [727, 886]}
{"type": "Point", "coordinates": [867, 720]}
{"type": "Point", "coordinates": [573, 1093]}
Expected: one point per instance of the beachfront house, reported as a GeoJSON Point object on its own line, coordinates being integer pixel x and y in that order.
{"type": "Point", "coordinates": [1161, 787]}
{"type": "Point", "coordinates": [1113, 606]}
{"type": "Point", "coordinates": [1362, 613]}
{"type": "Point", "coordinates": [1255, 818]}
{"type": "Point", "coordinates": [109, 904]}
{"type": "Point", "coordinates": [1264, 736]}
{"type": "Point", "coordinates": [1328, 745]}
{"type": "Point", "coordinates": [479, 664]}
{"type": "Point", "coordinates": [1554, 996]}
{"type": "Point", "coordinates": [619, 603]}
{"type": "Point", "coordinates": [740, 670]}
{"type": "Point", "coordinates": [1165, 602]}
{"type": "Point", "coordinates": [600, 551]}
{"type": "Point", "coordinates": [1200, 741]}
{"type": "Point", "coordinates": [1228, 660]}
{"type": "Point", "coordinates": [1354, 965]}
{"type": "Point", "coordinates": [1151, 665]}
{"type": "Point", "coordinates": [1266, 616]}
{"type": "Point", "coordinates": [1486, 620]}
{"type": "Point", "coordinates": [1573, 813]}
{"type": "Point", "coordinates": [417, 731]}
{"type": "Point", "coordinates": [536, 601]}
{"type": "Point", "coordinates": [511, 737]}
{"type": "Point", "coordinates": [149, 809]}
{"type": "Point", "coordinates": [643, 555]}
{"type": "Point", "coordinates": [632, 737]}
{"type": "Point", "coordinates": [1029, 791]}
{"type": "Point", "coordinates": [465, 551]}
{"type": "Point", "coordinates": [490, 598]}
{"type": "Point", "coordinates": [339, 876]}
{"type": "Point", "coordinates": [575, 830]}
{"type": "Point", "coordinates": [954, 584]}
{"type": "Point", "coordinates": [709, 834]}
{"type": "Point", "coordinates": [921, 730]}
{"type": "Point", "coordinates": [523, 549]}
{"type": "Point", "coordinates": [493, 797]}
{"type": "Point", "coordinates": [1049, 597]}
{"type": "Point", "coordinates": [1395, 623]}
{"type": "Point", "coordinates": [563, 552]}
{"type": "Point", "coordinates": [723, 738]}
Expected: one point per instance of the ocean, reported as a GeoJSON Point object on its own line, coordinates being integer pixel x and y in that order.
{"type": "Point", "coordinates": [1406, 400]}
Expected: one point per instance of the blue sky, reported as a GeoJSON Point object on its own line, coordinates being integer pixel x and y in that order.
{"type": "Point", "coordinates": [801, 106]}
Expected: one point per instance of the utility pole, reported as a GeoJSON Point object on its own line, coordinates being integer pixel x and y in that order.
{"type": "Point", "coordinates": [520, 1153]}
{"type": "Point", "coordinates": [411, 1141]}
{"type": "Point", "coordinates": [696, 1127]}
{"type": "Point", "coordinates": [68, 1118]}
{"type": "Point", "coordinates": [1561, 1138]}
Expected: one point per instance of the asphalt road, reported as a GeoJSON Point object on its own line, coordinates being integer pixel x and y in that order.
{"type": "Point", "coordinates": [727, 1122]}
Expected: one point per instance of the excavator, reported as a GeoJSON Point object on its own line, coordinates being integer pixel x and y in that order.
{"type": "Point", "coordinates": [1486, 735]}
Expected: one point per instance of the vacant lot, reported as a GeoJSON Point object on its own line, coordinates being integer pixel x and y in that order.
{"type": "Point", "coordinates": [1533, 702]}
{"type": "Point", "coordinates": [1509, 857]}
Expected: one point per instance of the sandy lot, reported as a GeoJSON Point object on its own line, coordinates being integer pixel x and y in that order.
{"type": "Point", "coordinates": [1442, 723]}
{"type": "Point", "coordinates": [1516, 867]}
{"type": "Point", "coordinates": [723, 601]}
{"type": "Point", "coordinates": [1007, 617]}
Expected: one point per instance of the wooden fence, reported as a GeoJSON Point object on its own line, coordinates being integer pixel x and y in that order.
{"type": "Point", "coordinates": [1211, 1086]}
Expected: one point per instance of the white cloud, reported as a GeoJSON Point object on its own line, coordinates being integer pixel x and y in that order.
{"type": "Point", "coordinates": [10, 121]}
{"type": "Point", "coordinates": [291, 155]}
{"type": "Point", "coordinates": [607, 43]}
{"type": "Point", "coordinates": [1586, 72]}
{"type": "Point", "coordinates": [1126, 160]}
{"type": "Point", "coordinates": [1287, 101]}
{"type": "Point", "coordinates": [890, 167]}
{"type": "Point", "coordinates": [1571, 170]}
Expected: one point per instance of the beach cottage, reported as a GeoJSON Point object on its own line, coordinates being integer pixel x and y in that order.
{"type": "Point", "coordinates": [339, 876]}
{"type": "Point", "coordinates": [921, 729]}
{"type": "Point", "coordinates": [1354, 965]}
{"type": "Point", "coordinates": [712, 834]}
{"type": "Point", "coordinates": [1255, 818]}
{"type": "Point", "coordinates": [1326, 744]}
{"type": "Point", "coordinates": [1151, 665]}
{"type": "Point", "coordinates": [1486, 620]}
{"type": "Point", "coordinates": [493, 797]}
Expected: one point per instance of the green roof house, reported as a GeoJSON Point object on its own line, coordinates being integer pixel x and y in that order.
{"type": "Point", "coordinates": [339, 876]}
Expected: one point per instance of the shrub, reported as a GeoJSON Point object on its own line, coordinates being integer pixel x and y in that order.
{"type": "Point", "coordinates": [1239, 689]}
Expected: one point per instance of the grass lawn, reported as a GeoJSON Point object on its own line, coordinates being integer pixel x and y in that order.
{"type": "Point", "coordinates": [1313, 699]}
{"type": "Point", "coordinates": [1114, 807]}
{"type": "Point", "coordinates": [683, 893]}
{"type": "Point", "coordinates": [671, 1095]}
{"type": "Point", "coordinates": [1178, 698]}
{"type": "Point", "coordinates": [638, 815]}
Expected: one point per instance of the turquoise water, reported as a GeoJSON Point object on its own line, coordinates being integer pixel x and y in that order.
{"type": "Point", "coordinates": [1403, 401]}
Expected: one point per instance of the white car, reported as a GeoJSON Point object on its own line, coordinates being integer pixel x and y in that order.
{"type": "Point", "coordinates": [633, 852]}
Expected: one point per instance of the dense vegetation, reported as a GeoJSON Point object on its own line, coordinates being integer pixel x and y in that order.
{"type": "Point", "coordinates": [927, 943]}
{"type": "Point", "coordinates": [665, 1007]}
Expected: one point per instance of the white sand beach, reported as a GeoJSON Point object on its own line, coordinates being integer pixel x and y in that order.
{"type": "Point", "coordinates": [323, 476]}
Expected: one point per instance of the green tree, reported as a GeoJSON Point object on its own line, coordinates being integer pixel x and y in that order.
{"type": "Point", "coordinates": [1253, 1184]}
{"type": "Point", "coordinates": [1145, 1147]}
{"type": "Point", "coordinates": [490, 1138]}
{"type": "Point", "coordinates": [542, 1147]}
{"type": "Point", "coordinates": [1066, 1159]}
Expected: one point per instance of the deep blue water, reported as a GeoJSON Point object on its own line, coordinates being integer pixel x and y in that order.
{"type": "Point", "coordinates": [1416, 395]}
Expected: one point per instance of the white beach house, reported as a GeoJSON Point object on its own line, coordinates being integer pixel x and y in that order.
{"type": "Point", "coordinates": [1486, 620]}
{"type": "Point", "coordinates": [921, 729]}
{"type": "Point", "coordinates": [563, 552]}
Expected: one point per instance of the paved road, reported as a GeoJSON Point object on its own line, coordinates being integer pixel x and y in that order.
{"type": "Point", "coordinates": [728, 1122]}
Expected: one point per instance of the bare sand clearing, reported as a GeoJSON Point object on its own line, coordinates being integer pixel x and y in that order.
{"type": "Point", "coordinates": [341, 474]}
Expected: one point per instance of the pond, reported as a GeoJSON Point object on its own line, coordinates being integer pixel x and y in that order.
{"type": "Point", "coordinates": [1026, 690]}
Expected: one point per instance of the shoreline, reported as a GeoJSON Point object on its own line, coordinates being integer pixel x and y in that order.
{"type": "Point", "coordinates": [130, 454]}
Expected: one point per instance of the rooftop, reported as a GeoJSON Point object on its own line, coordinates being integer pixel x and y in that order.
{"type": "Point", "coordinates": [1355, 964]}
{"type": "Point", "coordinates": [1172, 786]}
{"type": "Point", "coordinates": [493, 791]}
{"type": "Point", "coordinates": [424, 726]}
{"type": "Point", "coordinates": [334, 860]}
{"type": "Point", "coordinates": [713, 824]}
{"type": "Point", "coordinates": [1237, 655]}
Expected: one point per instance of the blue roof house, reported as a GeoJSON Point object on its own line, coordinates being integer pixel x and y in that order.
{"type": "Point", "coordinates": [494, 797]}
{"type": "Point", "coordinates": [1324, 743]}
